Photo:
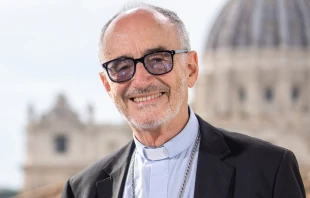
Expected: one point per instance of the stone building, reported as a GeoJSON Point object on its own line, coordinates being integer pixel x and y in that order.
{"type": "Point", "coordinates": [256, 73]}
{"type": "Point", "coordinates": [59, 145]}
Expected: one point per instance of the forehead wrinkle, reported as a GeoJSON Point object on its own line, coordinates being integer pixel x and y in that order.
{"type": "Point", "coordinates": [138, 47]}
{"type": "Point", "coordinates": [146, 51]}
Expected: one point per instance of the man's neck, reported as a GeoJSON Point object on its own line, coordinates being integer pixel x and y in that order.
{"type": "Point", "coordinates": [160, 135]}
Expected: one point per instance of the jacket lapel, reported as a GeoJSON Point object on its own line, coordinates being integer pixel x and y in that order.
{"type": "Point", "coordinates": [104, 187]}
{"type": "Point", "coordinates": [213, 176]}
{"type": "Point", "coordinates": [116, 171]}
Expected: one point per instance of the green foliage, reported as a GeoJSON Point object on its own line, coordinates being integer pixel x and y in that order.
{"type": "Point", "coordinates": [6, 193]}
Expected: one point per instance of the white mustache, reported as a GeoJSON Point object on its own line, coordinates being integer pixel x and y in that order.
{"type": "Point", "coordinates": [130, 93]}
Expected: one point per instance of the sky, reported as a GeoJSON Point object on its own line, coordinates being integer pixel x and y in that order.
{"type": "Point", "coordinates": [50, 47]}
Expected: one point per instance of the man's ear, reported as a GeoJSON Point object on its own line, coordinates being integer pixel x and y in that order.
{"type": "Point", "coordinates": [105, 81]}
{"type": "Point", "coordinates": [192, 68]}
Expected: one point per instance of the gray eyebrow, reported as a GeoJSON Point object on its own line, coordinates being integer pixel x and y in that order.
{"type": "Point", "coordinates": [159, 48]}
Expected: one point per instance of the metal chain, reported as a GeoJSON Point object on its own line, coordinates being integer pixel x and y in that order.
{"type": "Point", "coordinates": [187, 171]}
{"type": "Point", "coordinates": [133, 175]}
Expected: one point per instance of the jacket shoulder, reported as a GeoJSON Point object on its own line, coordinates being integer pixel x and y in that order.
{"type": "Point", "coordinates": [238, 142]}
{"type": "Point", "coordinates": [250, 152]}
{"type": "Point", "coordinates": [84, 181]}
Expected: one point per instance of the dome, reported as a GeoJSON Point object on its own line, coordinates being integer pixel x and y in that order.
{"type": "Point", "coordinates": [261, 24]}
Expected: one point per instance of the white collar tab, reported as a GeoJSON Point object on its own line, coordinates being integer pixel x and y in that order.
{"type": "Point", "coordinates": [154, 154]}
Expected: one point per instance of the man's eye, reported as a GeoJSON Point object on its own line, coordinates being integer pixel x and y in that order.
{"type": "Point", "coordinates": [122, 68]}
{"type": "Point", "coordinates": [156, 60]}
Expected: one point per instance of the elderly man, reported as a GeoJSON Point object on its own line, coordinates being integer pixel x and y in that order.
{"type": "Point", "coordinates": [148, 68]}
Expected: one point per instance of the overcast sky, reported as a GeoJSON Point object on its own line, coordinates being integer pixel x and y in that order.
{"type": "Point", "coordinates": [49, 47]}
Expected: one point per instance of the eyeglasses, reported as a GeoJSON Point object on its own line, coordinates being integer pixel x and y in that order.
{"type": "Point", "coordinates": [156, 63]}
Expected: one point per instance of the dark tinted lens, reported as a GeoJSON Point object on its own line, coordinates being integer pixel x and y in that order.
{"type": "Point", "coordinates": [121, 69]}
{"type": "Point", "coordinates": [158, 63]}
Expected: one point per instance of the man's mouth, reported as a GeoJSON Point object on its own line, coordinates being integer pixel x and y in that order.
{"type": "Point", "coordinates": [146, 98]}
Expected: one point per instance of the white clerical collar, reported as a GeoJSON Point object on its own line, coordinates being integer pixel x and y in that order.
{"type": "Point", "coordinates": [173, 147]}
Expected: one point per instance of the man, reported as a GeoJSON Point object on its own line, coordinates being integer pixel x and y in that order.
{"type": "Point", "coordinates": [148, 68]}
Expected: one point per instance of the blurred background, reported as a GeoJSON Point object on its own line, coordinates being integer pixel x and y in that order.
{"type": "Point", "coordinates": [56, 117]}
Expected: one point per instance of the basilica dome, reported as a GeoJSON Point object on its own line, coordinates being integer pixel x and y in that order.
{"type": "Point", "coordinates": [261, 24]}
{"type": "Point", "coordinates": [255, 77]}
{"type": "Point", "coordinates": [256, 62]}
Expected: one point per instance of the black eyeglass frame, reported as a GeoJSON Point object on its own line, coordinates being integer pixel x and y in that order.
{"type": "Point", "coordinates": [141, 60]}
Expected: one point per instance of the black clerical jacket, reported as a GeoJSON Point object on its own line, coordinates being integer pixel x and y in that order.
{"type": "Point", "coordinates": [229, 165]}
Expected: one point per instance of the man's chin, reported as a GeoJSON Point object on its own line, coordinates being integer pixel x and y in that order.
{"type": "Point", "coordinates": [146, 124]}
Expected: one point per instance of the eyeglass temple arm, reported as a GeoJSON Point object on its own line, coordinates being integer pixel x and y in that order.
{"type": "Point", "coordinates": [180, 51]}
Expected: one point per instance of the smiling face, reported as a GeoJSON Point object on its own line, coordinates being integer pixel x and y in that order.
{"type": "Point", "coordinates": [147, 101]}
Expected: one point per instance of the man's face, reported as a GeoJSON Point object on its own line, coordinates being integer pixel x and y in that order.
{"type": "Point", "coordinates": [146, 101]}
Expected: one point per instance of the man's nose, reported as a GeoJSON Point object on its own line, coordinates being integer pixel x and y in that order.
{"type": "Point", "coordinates": [142, 76]}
